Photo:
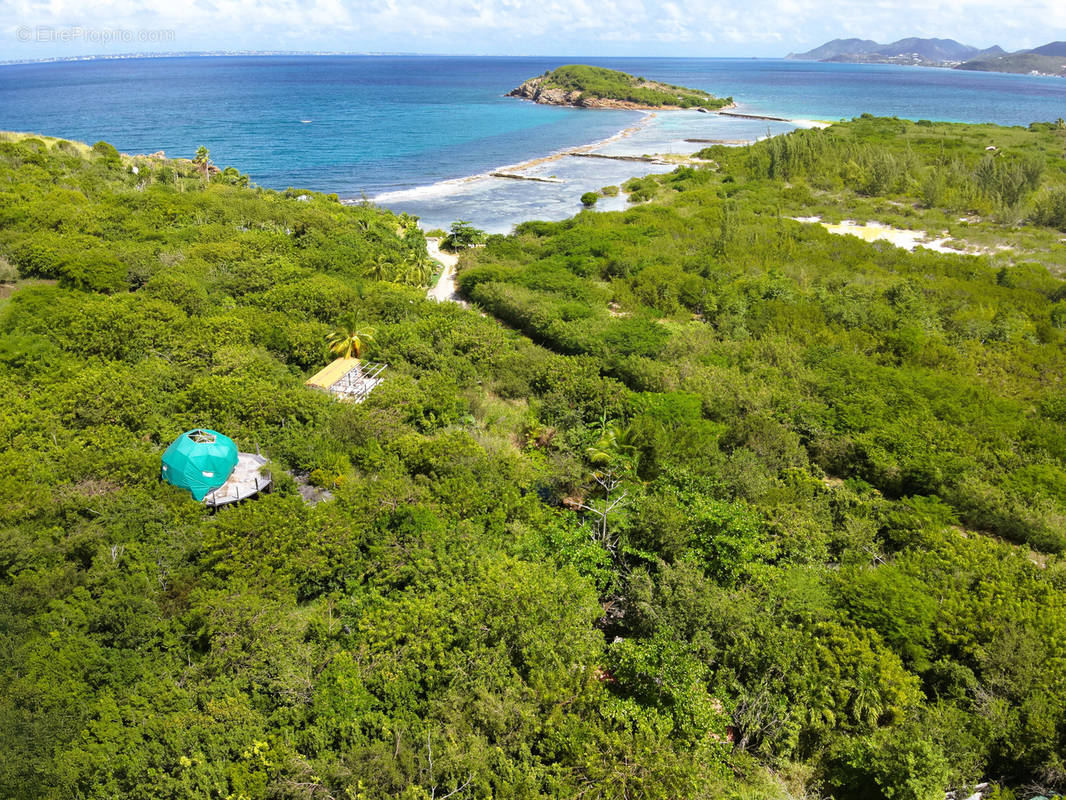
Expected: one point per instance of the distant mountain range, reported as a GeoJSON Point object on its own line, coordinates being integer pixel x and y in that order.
{"type": "Point", "coordinates": [932, 52]}
{"type": "Point", "coordinates": [1047, 60]}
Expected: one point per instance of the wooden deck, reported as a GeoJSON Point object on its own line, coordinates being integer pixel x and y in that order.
{"type": "Point", "coordinates": [356, 384]}
{"type": "Point", "coordinates": [246, 481]}
{"type": "Point", "coordinates": [348, 379]}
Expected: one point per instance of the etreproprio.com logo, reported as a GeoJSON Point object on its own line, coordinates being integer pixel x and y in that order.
{"type": "Point", "coordinates": [76, 33]}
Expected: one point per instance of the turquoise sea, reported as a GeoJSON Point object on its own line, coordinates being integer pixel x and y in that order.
{"type": "Point", "coordinates": [410, 132]}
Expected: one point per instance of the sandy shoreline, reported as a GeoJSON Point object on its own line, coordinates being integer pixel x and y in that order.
{"type": "Point", "coordinates": [585, 148]}
{"type": "Point", "coordinates": [520, 166]}
{"type": "Point", "coordinates": [399, 195]}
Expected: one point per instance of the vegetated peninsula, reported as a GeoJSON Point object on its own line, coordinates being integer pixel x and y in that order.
{"type": "Point", "coordinates": [583, 86]}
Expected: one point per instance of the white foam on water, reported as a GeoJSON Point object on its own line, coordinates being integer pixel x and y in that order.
{"type": "Point", "coordinates": [453, 186]}
{"type": "Point", "coordinates": [433, 191]}
{"type": "Point", "coordinates": [497, 204]}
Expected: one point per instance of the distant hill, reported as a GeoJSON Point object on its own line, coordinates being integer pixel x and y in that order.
{"type": "Point", "coordinates": [1057, 49]}
{"type": "Point", "coordinates": [1049, 59]}
{"type": "Point", "coordinates": [912, 50]}
{"type": "Point", "coordinates": [1024, 63]}
{"type": "Point", "coordinates": [837, 47]}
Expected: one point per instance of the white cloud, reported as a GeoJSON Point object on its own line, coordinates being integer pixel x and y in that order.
{"type": "Point", "coordinates": [631, 27]}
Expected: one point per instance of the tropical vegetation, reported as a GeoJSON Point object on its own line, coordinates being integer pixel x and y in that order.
{"type": "Point", "coordinates": [598, 83]}
{"type": "Point", "coordinates": [708, 502]}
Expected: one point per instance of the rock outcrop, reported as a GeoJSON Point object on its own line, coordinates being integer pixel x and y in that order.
{"type": "Point", "coordinates": [534, 90]}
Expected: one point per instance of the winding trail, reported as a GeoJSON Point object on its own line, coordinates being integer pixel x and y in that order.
{"type": "Point", "coordinates": [444, 290]}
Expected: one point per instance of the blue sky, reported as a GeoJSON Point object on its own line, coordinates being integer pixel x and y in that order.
{"type": "Point", "coordinates": [708, 28]}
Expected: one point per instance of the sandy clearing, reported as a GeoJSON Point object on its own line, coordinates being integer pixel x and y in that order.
{"type": "Point", "coordinates": [900, 237]}
{"type": "Point", "coordinates": [444, 290]}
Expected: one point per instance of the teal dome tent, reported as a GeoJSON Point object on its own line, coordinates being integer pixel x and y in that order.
{"type": "Point", "coordinates": [200, 461]}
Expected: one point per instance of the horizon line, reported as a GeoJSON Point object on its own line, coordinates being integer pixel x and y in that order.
{"type": "Point", "coordinates": [325, 53]}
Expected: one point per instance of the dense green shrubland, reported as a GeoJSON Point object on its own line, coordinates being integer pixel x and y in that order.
{"type": "Point", "coordinates": [982, 169]}
{"type": "Point", "coordinates": [595, 83]}
{"type": "Point", "coordinates": [915, 372]}
{"type": "Point", "coordinates": [720, 512]}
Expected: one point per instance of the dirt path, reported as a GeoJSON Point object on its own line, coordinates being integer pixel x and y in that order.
{"type": "Point", "coordinates": [445, 288]}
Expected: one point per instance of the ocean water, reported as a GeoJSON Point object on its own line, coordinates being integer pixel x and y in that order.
{"type": "Point", "coordinates": [419, 134]}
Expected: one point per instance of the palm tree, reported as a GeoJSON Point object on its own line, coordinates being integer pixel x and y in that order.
{"type": "Point", "coordinates": [381, 269]}
{"type": "Point", "coordinates": [613, 458]}
{"type": "Point", "coordinates": [867, 705]}
{"type": "Point", "coordinates": [415, 270]}
{"type": "Point", "coordinates": [616, 444]}
{"type": "Point", "coordinates": [202, 160]}
{"type": "Point", "coordinates": [350, 340]}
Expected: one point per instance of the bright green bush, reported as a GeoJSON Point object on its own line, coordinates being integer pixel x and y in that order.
{"type": "Point", "coordinates": [727, 507]}
{"type": "Point", "coordinates": [599, 82]}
